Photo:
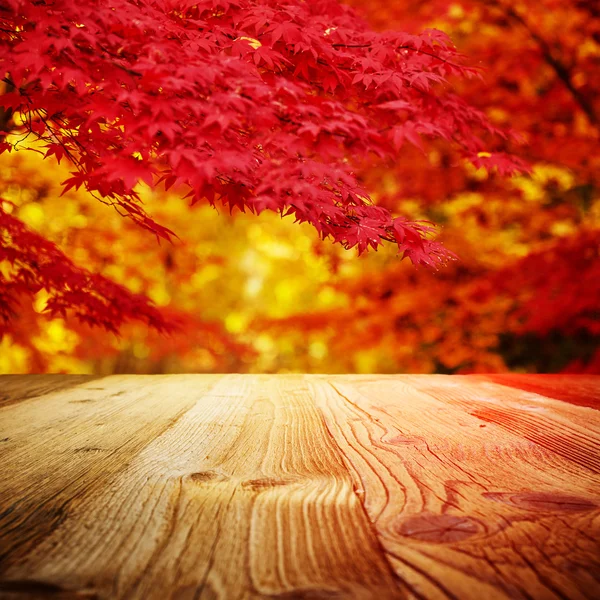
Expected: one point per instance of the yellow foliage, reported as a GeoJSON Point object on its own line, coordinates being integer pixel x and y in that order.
{"type": "Point", "coordinates": [13, 358]}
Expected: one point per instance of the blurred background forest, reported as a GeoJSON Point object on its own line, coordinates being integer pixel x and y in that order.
{"type": "Point", "coordinates": [262, 294]}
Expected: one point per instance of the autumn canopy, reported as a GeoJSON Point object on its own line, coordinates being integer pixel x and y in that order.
{"type": "Point", "coordinates": [134, 118]}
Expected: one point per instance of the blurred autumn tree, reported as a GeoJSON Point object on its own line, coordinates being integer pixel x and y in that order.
{"type": "Point", "coordinates": [526, 292]}
{"type": "Point", "coordinates": [264, 294]}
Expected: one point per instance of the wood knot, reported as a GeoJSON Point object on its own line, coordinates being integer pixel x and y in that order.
{"type": "Point", "coordinates": [263, 483]}
{"type": "Point", "coordinates": [439, 528]}
{"type": "Point", "coordinates": [542, 501]}
{"type": "Point", "coordinates": [204, 476]}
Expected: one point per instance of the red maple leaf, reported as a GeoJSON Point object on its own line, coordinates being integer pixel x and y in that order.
{"type": "Point", "coordinates": [261, 104]}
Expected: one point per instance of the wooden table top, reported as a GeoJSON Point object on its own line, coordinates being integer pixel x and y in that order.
{"type": "Point", "coordinates": [240, 486]}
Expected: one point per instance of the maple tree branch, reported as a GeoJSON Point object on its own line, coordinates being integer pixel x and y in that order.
{"type": "Point", "coordinates": [560, 69]}
{"type": "Point", "coordinates": [114, 203]}
{"type": "Point", "coordinates": [6, 113]}
{"type": "Point", "coordinates": [339, 45]}
{"type": "Point", "coordinates": [116, 64]}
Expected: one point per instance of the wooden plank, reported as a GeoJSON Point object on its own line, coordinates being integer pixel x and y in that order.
{"type": "Point", "coordinates": [16, 388]}
{"type": "Point", "coordinates": [243, 496]}
{"type": "Point", "coordinates": [582, 390]}
{"type": "Point", "coordinates": [572, 432]}
{"type": "Point", "coordinates": [465, 507]}
{"type": "Point", "coordinates": [66, 445]}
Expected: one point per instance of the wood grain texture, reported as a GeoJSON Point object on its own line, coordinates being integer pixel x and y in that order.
{"type": "Point", "coordinates": [470, 503]}
{"type": "Point", "coordinates": [581, 390]}
{"type": "Point", "coordinates": [16, 388]}
{"type": "Point", "coordinates": [235, 490]}
{"type": "Point", "coordinates": [196, 486]}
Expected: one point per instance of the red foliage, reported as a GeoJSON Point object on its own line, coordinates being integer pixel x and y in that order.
{"type": "Point", "coordinates": [535, 309]}
{"type": "Point", "coordinates": [257, 103]}
{"type": "Point", "coordinates": [36, 264]}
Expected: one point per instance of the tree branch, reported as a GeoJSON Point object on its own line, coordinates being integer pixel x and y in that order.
{"type": "Point", "coordinates": [6, 113]}
{"type": "Point", "coordinates": [561, 70]}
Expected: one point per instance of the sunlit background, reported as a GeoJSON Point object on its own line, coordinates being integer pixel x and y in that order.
{"type": "Point", "coordinates": [263, 294]}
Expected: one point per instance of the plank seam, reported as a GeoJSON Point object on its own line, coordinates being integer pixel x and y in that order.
{"type": "Point", "coordinates": [401, 583]}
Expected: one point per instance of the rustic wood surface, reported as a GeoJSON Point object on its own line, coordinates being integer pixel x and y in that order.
{"type": "Point", "coordinates": [233, 486]}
